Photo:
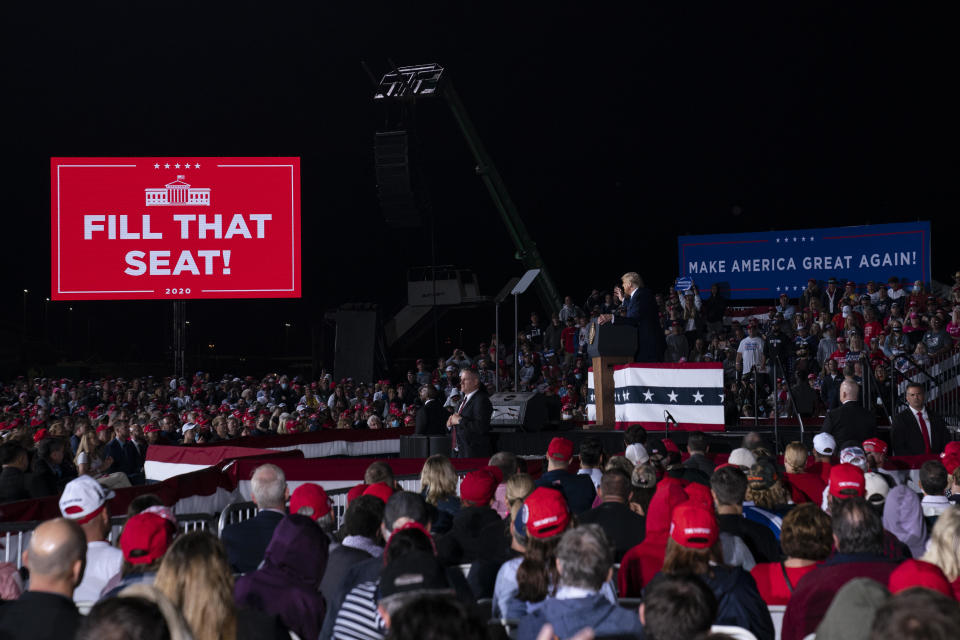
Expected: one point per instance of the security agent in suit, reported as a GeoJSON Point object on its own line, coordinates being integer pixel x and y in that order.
{"type": "Point", "coordinates": [850, 421]}
{"type": "Point", "coordinates": [431, 418]}
{"type": "Point", "coordinates": [247, 541]}
{"type": "Point", "coordinates": [471, 421]}
{"type": "Point", "coordinates": [641, 312]}
{"type": "Point", "coordinates": [906, 437]}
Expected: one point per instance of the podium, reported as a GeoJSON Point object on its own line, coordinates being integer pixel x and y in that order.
{"type": "Point", "coordinates": [608, 346]}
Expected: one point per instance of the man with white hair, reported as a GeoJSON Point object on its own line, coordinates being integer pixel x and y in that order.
{"type": "Point", "coordinates": [850, 422]}
{"type": "Point", "coordinates": [247, 541]}
{"type": "Point", "coordinates": [584, 563]}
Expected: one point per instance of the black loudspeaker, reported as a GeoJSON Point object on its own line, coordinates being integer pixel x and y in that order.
{"type": "Point", "coordinates": [355, 345]}
{"type": "Point", "coordinates": [525, 411]}
{"type": "Point", "coordinates": [395, 183]}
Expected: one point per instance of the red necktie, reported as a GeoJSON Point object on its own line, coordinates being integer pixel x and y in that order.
{"type": "Point", "coordinates": [923, 430]}
{"type": "Point", "coordinates": [453, 429]}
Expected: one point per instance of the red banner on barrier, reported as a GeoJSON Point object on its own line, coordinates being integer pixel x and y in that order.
{"type": "Point", "coordinates": [175, 228]}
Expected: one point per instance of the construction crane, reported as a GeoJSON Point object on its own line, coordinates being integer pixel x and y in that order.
{"type": "Point", "coordinates": [409, 84]}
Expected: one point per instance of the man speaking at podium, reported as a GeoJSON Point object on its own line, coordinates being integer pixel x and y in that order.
{"type": "Point", "coordinates": [640, 311]}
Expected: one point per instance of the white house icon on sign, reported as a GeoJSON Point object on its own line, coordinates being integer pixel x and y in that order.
{"type": "Point", "coordinates": [178, 194]}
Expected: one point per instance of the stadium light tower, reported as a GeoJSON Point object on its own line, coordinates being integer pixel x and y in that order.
{"type": "Point", "coordinates": [424, 81]}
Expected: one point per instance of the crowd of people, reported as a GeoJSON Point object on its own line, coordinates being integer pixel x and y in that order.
{"type": "Point", "coordinates": [647, 543]}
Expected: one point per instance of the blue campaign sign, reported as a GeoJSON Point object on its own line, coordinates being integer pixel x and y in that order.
{"type": "Point", "coordinates": [764, 264]}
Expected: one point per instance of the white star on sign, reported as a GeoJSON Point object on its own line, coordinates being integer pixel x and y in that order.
{"type": "Point", "coordinates": [196, 165]}
{"type": "Point", "coordinates": [166, 166]}
{"type": "Point", "coordinates": [176, 166]}
{"type": "Point", "coordinates": [672, 395]}
{"type": "Point", "coordinates": [811, 238]}
{"type": "Point", "coordinates": [721, 397]}
{"type": "Point", "coordinates": [187, 165]}
{"type": "Point", "coordinates": [698, 397]}
{"type": "Point", "coordinates": [156, 165]}
{"type": "Point", "coordinates": [626, 395]}
{"type": "Point", "coordinates": [778, 239]}
{"type": "Point", "coordinates": [648, 395]}
{"type": "Point", "coordinates": [794, 238]}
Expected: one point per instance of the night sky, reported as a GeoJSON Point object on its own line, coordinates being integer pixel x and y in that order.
{"type": "Point", "coordinates": [615, 128]}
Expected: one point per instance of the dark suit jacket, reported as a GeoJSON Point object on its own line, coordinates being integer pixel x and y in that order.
{"type": "Point", "coordinates": [247, 541]}
{"type": "Point", "coordinates": [641, 312]}
{"type": "Point", "coordinates": [701, 462]}
{"type": "Point", "coordinates": [473, 437]}
{"type": "Point", "coordinates": [39, 615]}
{"type": "Point", "coordinates": [624, 528]}
{"type": "Point", "coordinates": [850, 422]}
{"type": "Point", "coordinates": [431, 419]}
{"type": "Point", "coordinates": [13, 485]}
{"type": "Point", "coordinates": [906, 438]}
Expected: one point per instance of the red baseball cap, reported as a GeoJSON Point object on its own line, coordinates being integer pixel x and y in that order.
{"type": "Point", "coordinates": [844, 477]}
{"type": "Point", "coordinates": [560, 449]}
{"type": "Point", "coordinates": [103, 427]}
{"type": "Point", "coordinates": [40, 434]}
{"type": "Point", "coordinates": [693, 526]}
{"type": "Point", "coordinates": [917, 573]}
{"type": "Point", "coordinates": [379, 490]}
{"type": "Point", "coordinates": [355, 492]}
{"type": "Point", "coordinates": [670, 445]}
{"type": "Point", "coordinates": [952, 447]}
{"type": "Point", "coordinates": [699, 494]}
{"type": "Point", "coordinates": [874, 445]}
{"type": "Point", "coordinates": [145, 538]}
{"type": "Point", "coordinates": [545, 513]}
{"type": "Point", "coordinates": [951, 461]}
{"type": "Point", "coordinates": [310, 500]}
{"type": "Point", "coordinates": [479, 487]}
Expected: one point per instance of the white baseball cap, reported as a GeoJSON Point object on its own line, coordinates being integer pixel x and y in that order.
{"type": "Point", "coordinates": [83, 498]}
{"type": "Point", "coordinates": [637, 453]}
{"type": "Point", "coordinates": [877, 487]}
{"type": "Point", "coordinates": [824, 444]}
{"type": "Point", "coordinates": [742, 457]}
{"type": "Point", "coordinates": [188, 426]}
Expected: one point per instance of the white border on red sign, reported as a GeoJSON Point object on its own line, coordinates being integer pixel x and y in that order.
{"type": "Point", "coordinates": [293, 210]}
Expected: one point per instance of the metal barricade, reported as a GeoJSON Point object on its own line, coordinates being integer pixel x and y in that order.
{"type": "Point", "coordinates": [16, 537]}
{"type": "Point", "coordinates": [234, 513]}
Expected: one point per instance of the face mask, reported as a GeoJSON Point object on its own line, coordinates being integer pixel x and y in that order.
{"type": "Point", "coordinates": [578, 376]}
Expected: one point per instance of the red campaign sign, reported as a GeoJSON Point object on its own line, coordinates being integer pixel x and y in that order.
{"type": "Point", "coordinates": [175, 228]}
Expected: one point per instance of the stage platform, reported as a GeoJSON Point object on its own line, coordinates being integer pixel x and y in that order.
{"type": "Point", "coordinates": [535, 443]}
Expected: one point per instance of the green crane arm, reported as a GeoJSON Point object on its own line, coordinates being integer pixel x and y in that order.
{"type": "Point", "coordinates": [527, 251]}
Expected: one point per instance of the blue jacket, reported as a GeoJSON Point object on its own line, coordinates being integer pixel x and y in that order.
{"type": "Point", "coordinates": [739, 602]}
{"type": "Point", "coordinates": [572, 615]}
{"type": "Point", "coordinates": [578, 490]}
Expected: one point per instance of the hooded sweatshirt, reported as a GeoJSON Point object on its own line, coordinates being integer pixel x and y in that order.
{"type": "Point", "coordinates": [643, 561]}
{"type": "Point", "coordinates": [287, 584]}
{"type": "Point", "coordinates": [903, 517]}
{"type": "Point", "coordinates": [570, 615]}
{"type": "Point", "coordinates": [850, 616]}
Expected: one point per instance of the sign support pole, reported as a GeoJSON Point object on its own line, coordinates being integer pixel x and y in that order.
{"type": "Point", "coordinates": [179, 338]}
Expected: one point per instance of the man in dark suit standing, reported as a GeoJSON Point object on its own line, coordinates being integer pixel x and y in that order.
{"type": "Point", "coordinates": [850, 422]}
{"type": "Point", "coordinates": [247, 541]}
{"type": "Point", "coordinates": [917, 430]}
{"type": "Point", "coordinates": [641, 312]}
{"type": "Point", "coordinates": [470, 424]}
{"type": "Point", "coordinates": [431, 417]}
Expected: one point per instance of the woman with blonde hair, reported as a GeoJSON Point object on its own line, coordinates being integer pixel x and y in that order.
{"type": "Point", "coordinates": [195, 576]}
{"type": "Point", "coordinates": [438, 486]}
{"type": "Point", "coordinates": [804, 486]}
{"type": "Point", "coordinates": [943, 549]}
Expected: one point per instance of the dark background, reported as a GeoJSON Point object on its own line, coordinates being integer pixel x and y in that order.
{"type": "Point", "coordinates": [615, 128]}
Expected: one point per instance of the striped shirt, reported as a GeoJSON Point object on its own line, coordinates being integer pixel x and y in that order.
{"type": "Point", "coordinates": [358, 618]}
